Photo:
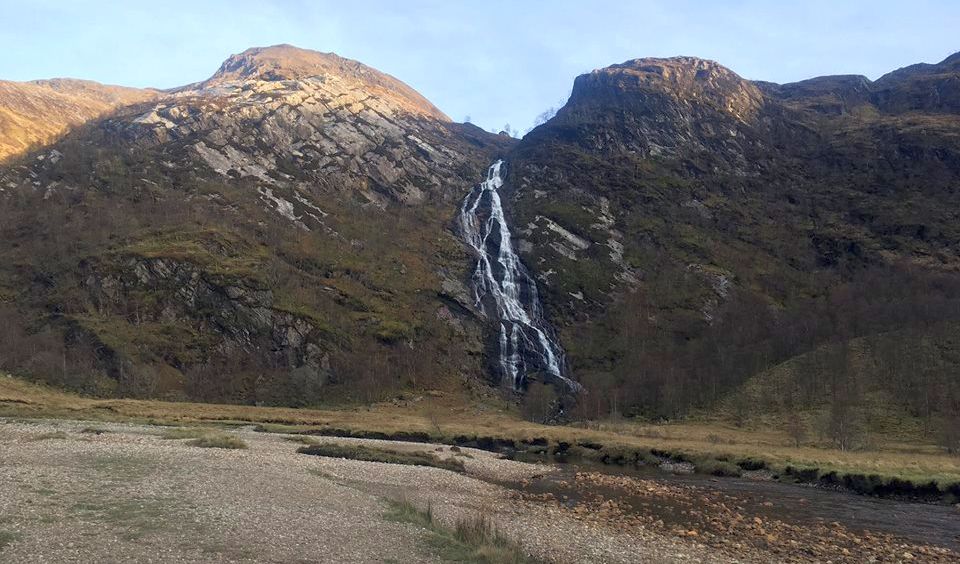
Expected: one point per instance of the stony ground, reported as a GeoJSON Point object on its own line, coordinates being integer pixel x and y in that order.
{"type": "Point", "coordinates": [96, 492]}
{"type": "Point", "coordinates": [725, 520]}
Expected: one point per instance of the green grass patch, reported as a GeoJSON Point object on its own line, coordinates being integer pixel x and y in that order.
{"type": "Point", "coordinates": [218, 441]}
{"type": "Point", "coordinates": [204, 438]}
{"type": "Point", "coordinates": [185, 433]}
{"type": "Point", "coordinates": [405, 512]}
{"type": "Point", "coordinates": [7, 538]}
{"type": "Point", "coordinates": [150, 342]}
{"type": "Point", "coordinates": [922, 489]}
{"type": "Point", "coordinates": [302, 439]}
{"type": "Point", "coordinates": [215, 251]}
{"type": "Point", "coordinates": [716, 467]}
{"type": "Point", "coordinates": [391, 331]}
{"type": "Point", "coordinates": [138, 517]}
{"type": "Point", "coordinates": [53, 435]}
{"type": "Point", "coordinates": [373, 454]}
{"type": "Point", "coordinates": [474, 540]}
{"type": "Point", "coordinates": [116, 467]}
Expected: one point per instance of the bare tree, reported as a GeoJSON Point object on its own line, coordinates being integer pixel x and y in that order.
{"type": "Point", "coordinates": [539, 403]}
{"type": "Point", "coordinates": [949, 435]}
{"type": "Point", "coordinates": [796, 429]}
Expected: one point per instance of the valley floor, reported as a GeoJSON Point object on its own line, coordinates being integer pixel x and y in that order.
{"type": "Point", "coordinates": [76, 491]}
{"type": "Point", "coordinates": [118, 480]}
{"type": "Point", "coordinates": [129, 495]}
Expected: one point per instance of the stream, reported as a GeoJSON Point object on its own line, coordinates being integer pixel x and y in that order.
{"type": "Point", "coordinates": [682, 500]}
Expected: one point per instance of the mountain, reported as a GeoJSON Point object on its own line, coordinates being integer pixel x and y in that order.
{"type": "Point", "coordinates": [278, 233]}
{"type": "Point", "coordinates": [300, 228]}
{"type": "Point", "coordinates": [37, 112]}
{"type": "Point", "coordinates": [691, 229]}
{"type": "Point", "coordinates": [285, 62]}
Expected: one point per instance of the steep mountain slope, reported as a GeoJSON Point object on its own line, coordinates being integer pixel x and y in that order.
{"type": "Point", "coordinates": [691, 228]}
{"type": "Point", "coordinates": [37, 112]}
{"type": "Point", "coordinates": [278, 233]}
{"type": "Point", "coordinates": [287, 232]}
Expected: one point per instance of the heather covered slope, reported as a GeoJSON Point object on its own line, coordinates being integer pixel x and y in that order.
{"type": "Point", "coordinates": [692, 228]}
{"type": "Point", "coordinates": [265, 236]}
{"type": "Point", "coordinates": [38, 112]}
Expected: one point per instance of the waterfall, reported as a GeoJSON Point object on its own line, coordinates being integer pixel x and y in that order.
{"type": "Point", "coordinates": [504, 288]}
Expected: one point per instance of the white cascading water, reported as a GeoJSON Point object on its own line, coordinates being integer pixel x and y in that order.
{"type": "Point", "coordinates": [501, 283]}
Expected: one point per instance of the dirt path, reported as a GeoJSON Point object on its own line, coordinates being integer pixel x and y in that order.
{"type": "Point", "coordinates": [68, 494]}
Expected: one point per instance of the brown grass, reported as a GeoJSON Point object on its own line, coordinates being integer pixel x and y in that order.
{"type": "Point", "coordinates": [472, 540]}
{"type": "Point", "coordinates": [916, 460]}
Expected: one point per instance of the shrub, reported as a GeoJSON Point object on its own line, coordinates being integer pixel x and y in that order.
{"type": "Point", "coordinates": [750, 463]}
{"type": "Point", "coordinates": [716, 467]}
{"type": "Point", "coordinates": [184, 433]}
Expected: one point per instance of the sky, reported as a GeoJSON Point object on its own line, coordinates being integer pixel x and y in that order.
{"type": "Point", "coordinates": [496, 62]}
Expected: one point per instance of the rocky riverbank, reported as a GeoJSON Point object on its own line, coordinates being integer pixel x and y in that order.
{"type": "Point", "coordinates": [77, 491]}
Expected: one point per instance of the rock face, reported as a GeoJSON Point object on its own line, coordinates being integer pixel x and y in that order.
{"type": "Point", "coordinates": [336, 122]}
{"type": "Point", "coordinates": [667, 84]}
{"type": "Point", "coordinates": [287, 63]}
{"type": "Point", "coordinates": [669, 192]}
{"type": "Point", "coordinates": [37, 112]}
{"type": "Point", "coordinates": [287, 220]}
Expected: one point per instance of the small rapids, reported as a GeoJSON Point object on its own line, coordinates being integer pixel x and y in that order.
{"type": "Point", "coordinates": [505, 290]}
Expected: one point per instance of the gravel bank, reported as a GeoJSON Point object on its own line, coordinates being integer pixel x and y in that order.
{"type": "Point", "coordinates": [125, 494]}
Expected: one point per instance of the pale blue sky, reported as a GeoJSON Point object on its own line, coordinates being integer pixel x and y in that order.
{"type": "Point", "coordinates": [497, 61]}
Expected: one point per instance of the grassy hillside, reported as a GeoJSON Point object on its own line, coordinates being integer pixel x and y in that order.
{"type": "Point", "coordinates": [170, 281]}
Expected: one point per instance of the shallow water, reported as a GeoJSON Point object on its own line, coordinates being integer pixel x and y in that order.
{"type": "Point", "coordinates": [936, 525]}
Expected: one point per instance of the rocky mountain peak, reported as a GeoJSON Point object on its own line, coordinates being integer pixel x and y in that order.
{"type": "Point", "coordinates": [921, 87]}
{"type": "Point", "coordinates": [280, 63]}
{"type": "Point", "coordinates": [286, 62]}
{"type": "Point", "coordinates": [949, 65]}
{"type": "Point", "coordinates": [283, 116]}
{"type": "Point", "coordinates": [683, 79]}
